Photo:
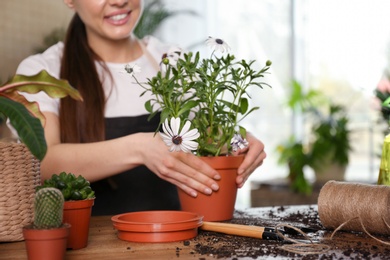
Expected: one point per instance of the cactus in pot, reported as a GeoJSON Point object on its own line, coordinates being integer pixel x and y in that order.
{"type": "Point", "coordinates": [46, 237]}
{"type": "Point", "coordinates": [48, 208]}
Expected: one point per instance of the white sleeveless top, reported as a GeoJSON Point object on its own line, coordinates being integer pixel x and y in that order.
{"type": "Point", "coordinates": [122, 95]}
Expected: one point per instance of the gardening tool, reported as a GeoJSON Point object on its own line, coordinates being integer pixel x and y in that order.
{"type": "Point", "coordinates": [253, 231]}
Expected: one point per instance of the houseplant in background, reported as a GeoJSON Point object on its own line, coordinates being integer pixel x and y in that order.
{"type": "Point", "coordinates": [79, 199]}
{"type": "Point", "coordinates": [295, 155]}
{"type": "Point", "coordinates": [330, 145]}
{"type": "Point", "coordinates": [154, 14]}
{"type": "Point", "coordinates": [294, 152]}
{"type": "Point", "coordinates": [201, 103]}
{"type": "Point", "coordinates": [19, 162]}
{"type": "Point", "coordinates": [327, 145]}
{"type": "Point", "coordinates": [46, 238]}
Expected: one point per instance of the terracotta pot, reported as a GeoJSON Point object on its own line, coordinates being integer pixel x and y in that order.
{"type": "Point", "coordinates": [78, 214]}
{"type": "Point", "coordinates": [46, 244]}
{"type": "Point", "coordinates": [219, 205]}
{"type": "Point", "coordinates": [331, 171]}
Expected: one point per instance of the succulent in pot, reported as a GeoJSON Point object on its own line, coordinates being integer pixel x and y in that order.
{"type": "Point", "coordinates": [72, 187]}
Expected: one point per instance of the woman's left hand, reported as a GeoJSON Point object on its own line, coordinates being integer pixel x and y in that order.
{"type": "Point", "coordinates": [254, 157]}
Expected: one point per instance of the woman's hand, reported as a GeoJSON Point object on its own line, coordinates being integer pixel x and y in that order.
{"type": "Point", "coordinates": [184, 170]}
{"type": "Point", "coordinates": [254, 157]}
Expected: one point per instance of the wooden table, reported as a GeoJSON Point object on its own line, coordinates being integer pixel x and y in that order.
{"type": "Point", "coordinates": [104, 244]}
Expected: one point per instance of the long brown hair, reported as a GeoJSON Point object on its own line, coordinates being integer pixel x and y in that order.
{"type": "Point", "coordinates": [81, 122]}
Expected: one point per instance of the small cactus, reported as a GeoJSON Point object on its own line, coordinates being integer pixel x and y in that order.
{"type": "Point", "coordinates": [48, 208]}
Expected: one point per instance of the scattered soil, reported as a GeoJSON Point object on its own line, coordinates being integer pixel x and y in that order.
{"type": "Point", "coordinates": [345, 245]}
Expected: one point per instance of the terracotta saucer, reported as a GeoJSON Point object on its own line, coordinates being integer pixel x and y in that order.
{"type": "Point", "coordinates": [157, 226]}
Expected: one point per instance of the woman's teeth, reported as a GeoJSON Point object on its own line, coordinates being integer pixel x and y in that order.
{"type": "Point", "coordinates": [118, 17]}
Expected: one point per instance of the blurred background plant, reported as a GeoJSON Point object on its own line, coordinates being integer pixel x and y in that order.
{"type": "Point", "coordinates": [155, 13]}
{"type": "Point", "coordinates": [382, 94]}
{"type": "Point", "coordinates": [326, 143]}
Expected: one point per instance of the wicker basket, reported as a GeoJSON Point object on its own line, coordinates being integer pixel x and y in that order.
{"type": "Point", "coordinates": [19, 176]}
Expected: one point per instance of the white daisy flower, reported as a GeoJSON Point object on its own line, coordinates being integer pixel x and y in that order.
{"type": "Point", "coordinates": [179, 141]}
{"type": "Point", "coordinates": [132, 70]}
{"type": "Point", "coordinates": [238, 142]}
{"type": "Point", "coordinates": [217, 44]}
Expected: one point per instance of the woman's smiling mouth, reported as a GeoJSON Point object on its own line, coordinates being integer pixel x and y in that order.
{"type": "Point", "coordinates": [118, 19]}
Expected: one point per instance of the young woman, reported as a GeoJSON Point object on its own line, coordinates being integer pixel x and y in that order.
{"type": "Point", "coordinates": [107, 137]}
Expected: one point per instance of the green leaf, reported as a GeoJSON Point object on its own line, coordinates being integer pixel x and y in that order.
{"type": "Point", "coordinates": [386, 102]}
{"type": "Point", "coordinates": [187, 106]}
{"type": "Point", "coordinates": [24, 115]}
{"type": "Point", "coordinates": [28, 127]}
{"type": "Point", "coordinates": [148, 106]}
{"type": "Point", "coordinates": [42, 81]}
{"type": "Point", "coordinates": [244, 105]}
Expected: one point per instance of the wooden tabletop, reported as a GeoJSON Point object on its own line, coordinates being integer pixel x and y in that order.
{"type": "Point", "coordinates": [104, 243]}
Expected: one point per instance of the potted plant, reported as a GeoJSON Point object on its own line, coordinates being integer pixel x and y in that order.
{"type": "Point", "coordinates": [296, 157]}
{"type": "Point", "coordinates": [330, 144]}
{"type": "Point", "coordinates": [46, 238]}
{"type": "Point", "coordinates": [327, 145]}
{"type": "Point", "coordinates": [201, 103]}
{"type": "Point", "coordinates": [19, 162]}
{"type": "Point", "coordinates": [79, 199]}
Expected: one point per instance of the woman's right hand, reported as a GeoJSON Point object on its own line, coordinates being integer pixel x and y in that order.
{"type": "Point", "coordinates": [185, 170]}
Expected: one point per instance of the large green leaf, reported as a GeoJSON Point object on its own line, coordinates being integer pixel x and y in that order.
{"type": "Point", "coordinates": [24, 115]}
{"type": "Point", "coordinates": [42, 81]}
{"type": "Point", "coordinates": [28, 127]}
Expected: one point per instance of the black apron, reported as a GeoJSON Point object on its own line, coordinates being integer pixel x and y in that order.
{"type": "Point", "coordinates": [138, 189]}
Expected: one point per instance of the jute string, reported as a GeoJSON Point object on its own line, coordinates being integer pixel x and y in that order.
{"type": "Point", "coordinates": [350, 207]}
{"type": "Point", "coordinates": [355, 207]}
{"type": "Point", "coordinates": [309, 247]}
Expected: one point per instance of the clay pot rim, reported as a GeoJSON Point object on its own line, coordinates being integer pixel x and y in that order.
{"type": "Point", "coordinates": [31, 226]}
{"type": "Point", "coordinates": [77, 204]}
{"type": "Point", "coordinates": [223, 161]}
{"type": "Point", "coordinates": [177, 220]}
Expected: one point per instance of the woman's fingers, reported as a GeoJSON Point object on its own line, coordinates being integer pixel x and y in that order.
{"type": "Point", "coordinates": [189, 173]}
{"type": "Point", "coordinates": [254, 157]}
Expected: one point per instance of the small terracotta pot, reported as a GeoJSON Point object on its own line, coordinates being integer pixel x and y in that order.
{"type": "Point", "coordinates": [46, 244]}
{"type": "Point", "coordinates": [78, 214]}
{"type": "Point", "coordinates": [219, 205]}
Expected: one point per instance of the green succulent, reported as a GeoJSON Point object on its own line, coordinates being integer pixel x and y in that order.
{"type": "Point", "coordinates": [48, 208]}
{"type": "Point", "coordinates": [72, 187]}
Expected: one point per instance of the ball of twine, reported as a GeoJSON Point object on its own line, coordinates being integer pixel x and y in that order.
{"type": "Point", "coordinates": [355, 207]}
